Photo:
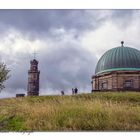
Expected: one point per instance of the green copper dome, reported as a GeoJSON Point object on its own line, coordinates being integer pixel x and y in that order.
{"type": "Point", "coordinates": [119, 58]}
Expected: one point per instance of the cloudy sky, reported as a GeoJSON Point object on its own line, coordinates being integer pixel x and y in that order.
{"type": "Point", "coordinates": [68, 45]}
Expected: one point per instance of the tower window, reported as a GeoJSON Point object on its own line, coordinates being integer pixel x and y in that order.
{"type": "Point", "coordinates": [34, 76]}
{"type": "Point", "coordinates": [34, 68]}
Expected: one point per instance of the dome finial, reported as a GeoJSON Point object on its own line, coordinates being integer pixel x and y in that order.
{"type": "Point", "coordinates": [122, 42]}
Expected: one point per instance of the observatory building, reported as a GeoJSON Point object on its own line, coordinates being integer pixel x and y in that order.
{"type": "Point", "coordinates": [118, 70]}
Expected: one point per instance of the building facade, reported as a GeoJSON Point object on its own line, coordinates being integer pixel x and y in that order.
{"type": "Point", "coordinates": [118, 70]}
{"type": "Point", "coordinates": [33, 79]}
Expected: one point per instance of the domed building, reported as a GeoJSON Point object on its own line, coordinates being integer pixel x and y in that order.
{"type": "Point", "coordinates": [118, 70]}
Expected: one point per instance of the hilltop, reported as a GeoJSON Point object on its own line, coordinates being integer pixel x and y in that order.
{"type": "Point", "coordinates": [118, 111]}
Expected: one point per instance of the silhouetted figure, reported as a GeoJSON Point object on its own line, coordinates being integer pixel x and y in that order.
{"type": "Point", "coordinates": [76, 90]}
{"type": "Point", "coordinates": [62, 92]}
{"type": "Point", "coordinates": [73, 91]}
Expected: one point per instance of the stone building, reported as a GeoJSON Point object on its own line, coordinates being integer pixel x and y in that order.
{"type": "Point", "coordinates": [33, 79]}
{"type": "Point", "coordinates": [118, 70]}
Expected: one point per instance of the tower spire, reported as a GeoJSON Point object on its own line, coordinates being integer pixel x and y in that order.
{"type": "Point", "coordinates": [34, 53]}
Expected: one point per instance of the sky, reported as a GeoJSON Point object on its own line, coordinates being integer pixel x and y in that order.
{"type": "Point", "coordinates": [68, 43]}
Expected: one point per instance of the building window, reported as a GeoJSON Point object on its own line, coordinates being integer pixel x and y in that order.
{"type": "Point", "coordinates": [104, 85]}
{"type": "Point", "coordinates": [128, 84]}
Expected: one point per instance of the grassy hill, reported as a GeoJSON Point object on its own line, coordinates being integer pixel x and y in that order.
{"type": "Point", "coordinates": [85, 112]}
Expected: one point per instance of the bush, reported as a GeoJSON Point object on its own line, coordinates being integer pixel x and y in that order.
{"type": "Point", "coordinates": [3, 75]}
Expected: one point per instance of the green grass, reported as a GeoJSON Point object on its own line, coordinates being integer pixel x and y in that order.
{"type": "Point", "coordinates": [118, 111]}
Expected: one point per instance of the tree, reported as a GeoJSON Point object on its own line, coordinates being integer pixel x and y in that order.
{"type": "Point", "coordinates": [3, 75]}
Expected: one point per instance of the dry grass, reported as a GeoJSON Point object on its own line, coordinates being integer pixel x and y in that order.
{"type": "Point", "coordinates": [92, 112]}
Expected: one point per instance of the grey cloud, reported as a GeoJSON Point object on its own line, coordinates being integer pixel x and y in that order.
{"type": "Point", "coordinates": [39, 23]}
{"type": "Point", "coordinates": [18, 74]}
{"type": "Point", "coordinates": [43, 20]}
{"type": "Point", "coordinates": [123, 14]}
{"type": "Point", "coordinates": [123, 18]}
{"type": "Point", "coordinates": [67, 67]}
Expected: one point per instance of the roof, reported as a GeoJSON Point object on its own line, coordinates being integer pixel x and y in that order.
{"type": "Point", "coordinates": [34, 61]}
{"type": "Point", "coordinates": [119, 58]}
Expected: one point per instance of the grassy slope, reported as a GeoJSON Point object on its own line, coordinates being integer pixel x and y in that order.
{"type": "Point", "coordinates": [98, 111]}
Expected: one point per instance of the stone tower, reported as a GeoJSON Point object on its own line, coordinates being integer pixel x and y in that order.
{"type": "Point", "coordinates": [33, 79]}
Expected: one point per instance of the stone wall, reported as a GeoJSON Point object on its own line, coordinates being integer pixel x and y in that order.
{"type": "Point", "coordinates": [115, 81]}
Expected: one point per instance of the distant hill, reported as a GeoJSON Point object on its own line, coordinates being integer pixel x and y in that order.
{"type": "Point", "coordinates": [118, 111]}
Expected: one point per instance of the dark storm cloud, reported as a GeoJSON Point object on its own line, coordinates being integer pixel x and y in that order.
{"type": "Point", "coordinates": [123, 18]}
{"type": "Point", "coordinates": [36, 21]}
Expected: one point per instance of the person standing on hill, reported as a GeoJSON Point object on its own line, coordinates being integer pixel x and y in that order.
{"type": "Point", "coordinates": [62, 92]}
{"type": "Point", "coordinates": [76, 90]}
{"type": "Point", "coordinates": [73, 91]}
